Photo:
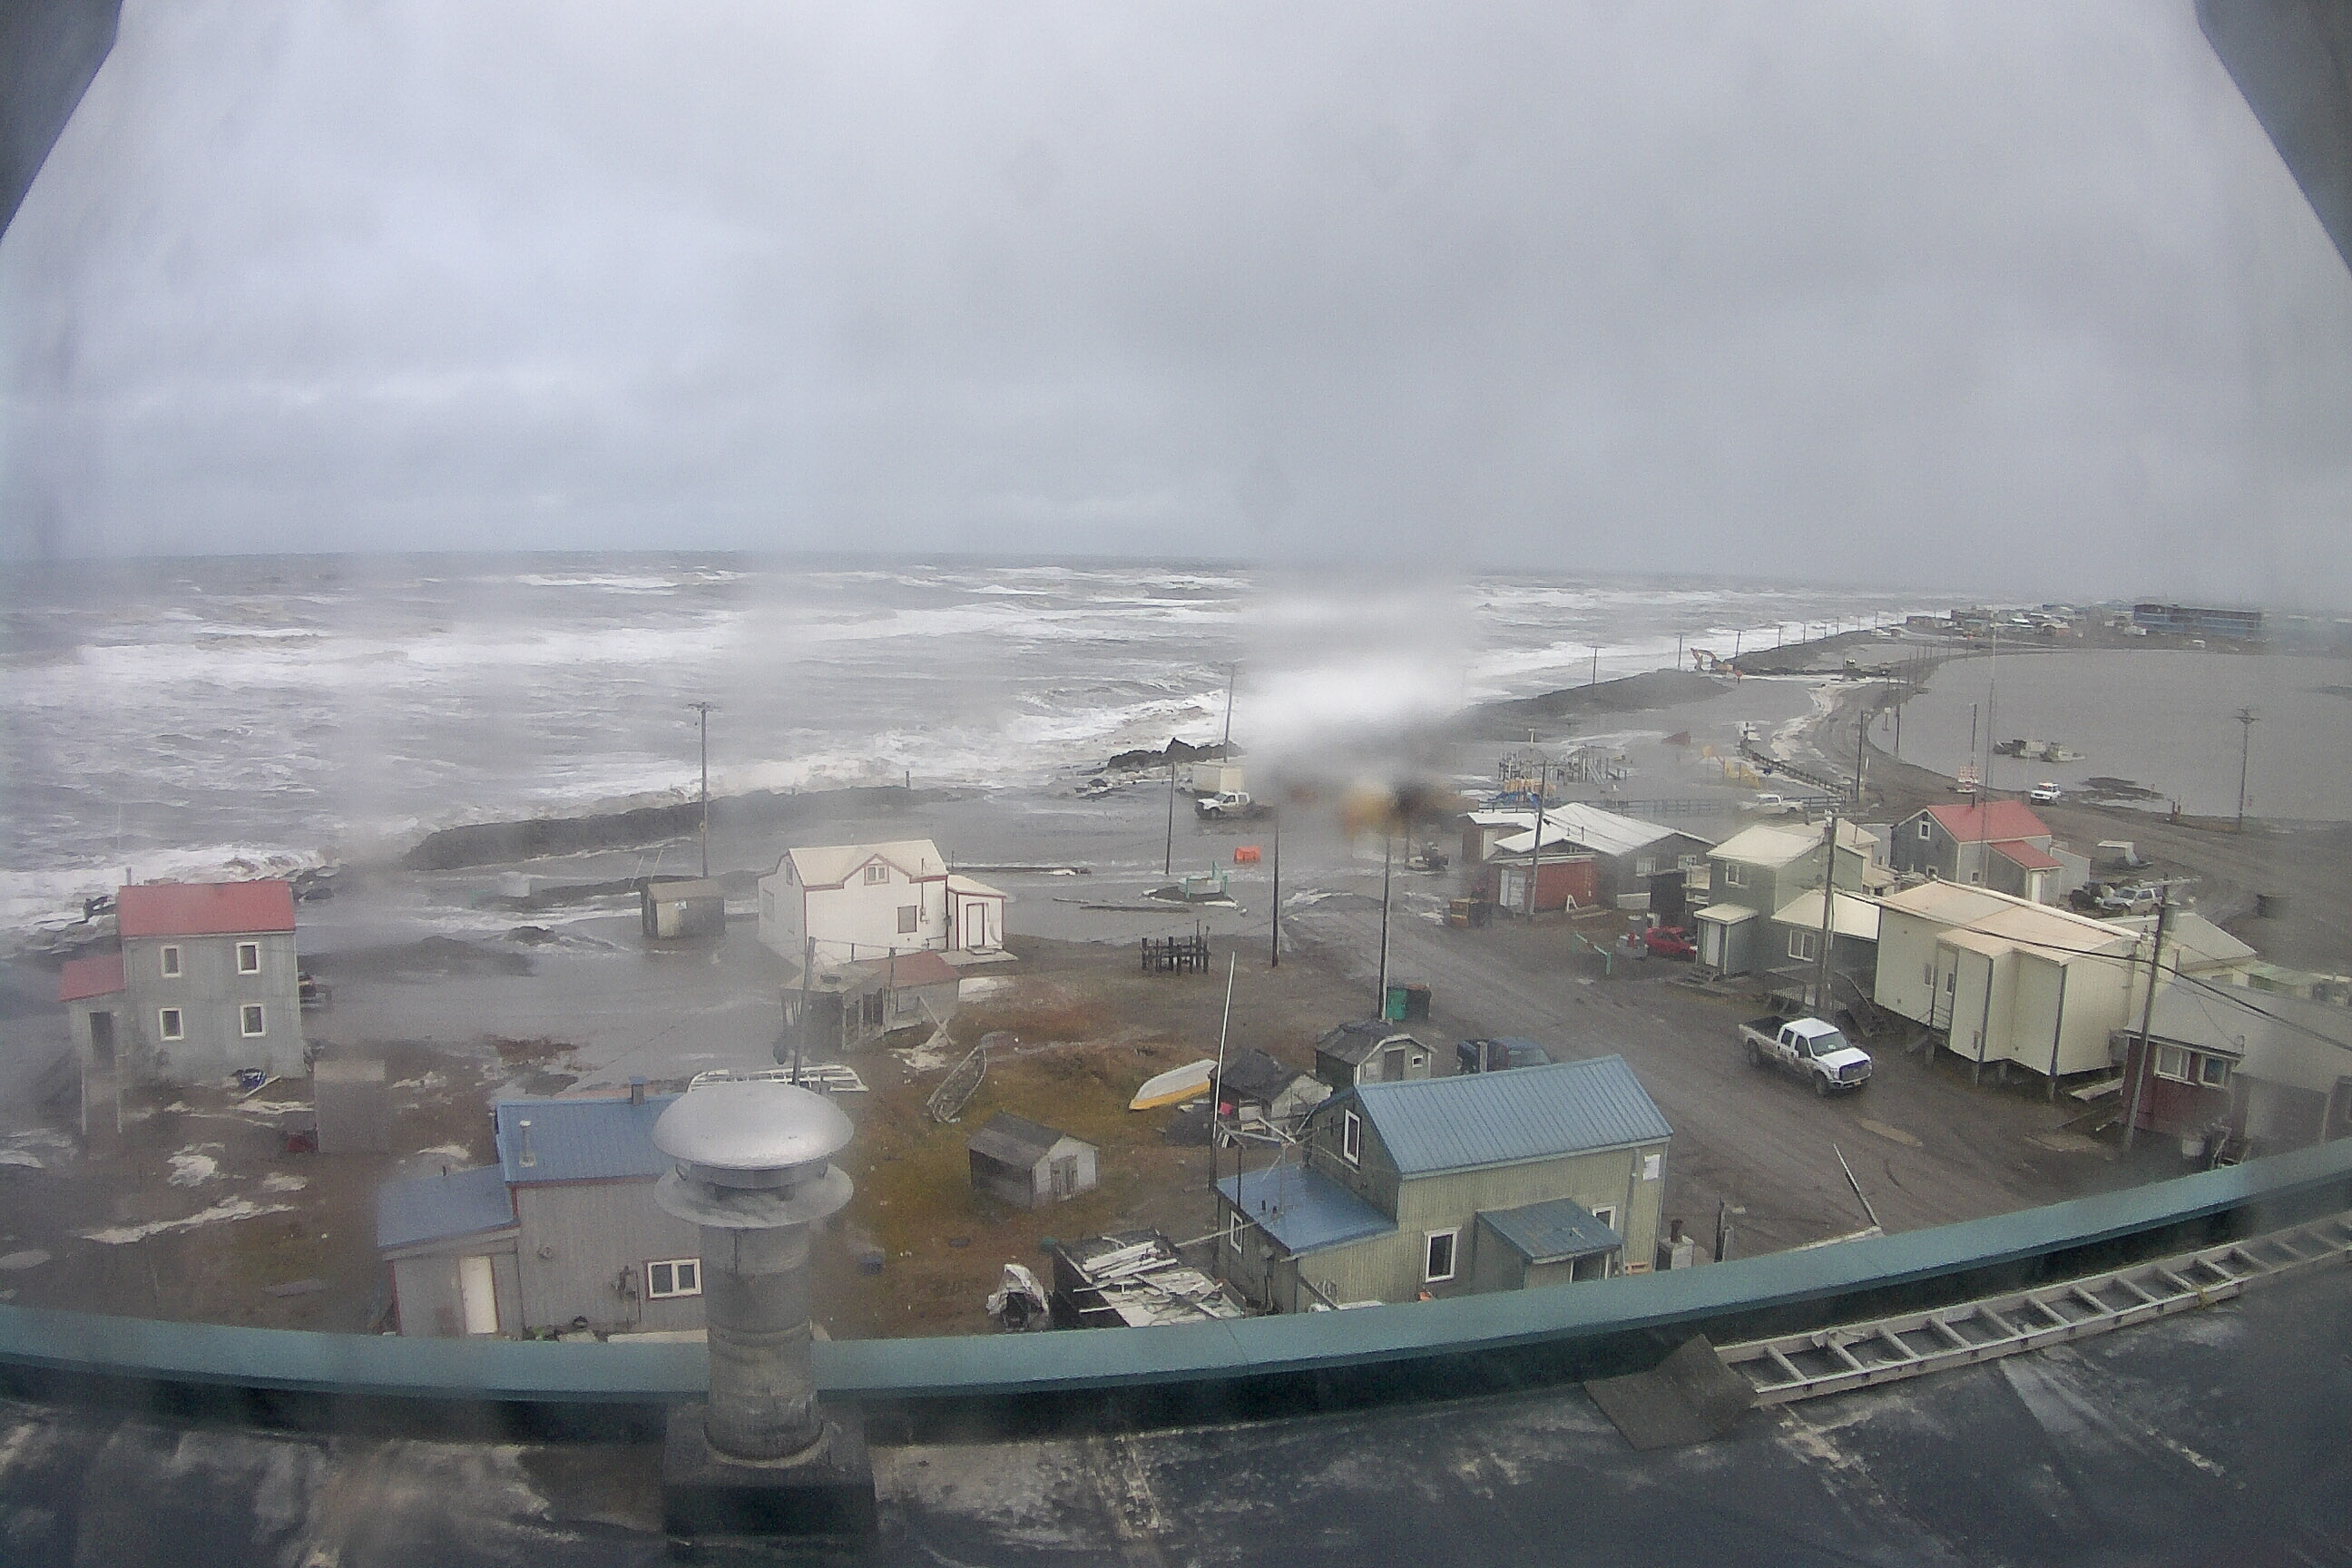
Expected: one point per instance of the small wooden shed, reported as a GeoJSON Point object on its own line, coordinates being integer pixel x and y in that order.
{"type": "Point", "coordinates": [681, 908]}
{"type": "Point", "coordinates": [1027, 1163]}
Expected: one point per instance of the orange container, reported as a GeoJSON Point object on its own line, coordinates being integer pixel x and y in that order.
{"type": "Point", "coordinates": [1244, 854]}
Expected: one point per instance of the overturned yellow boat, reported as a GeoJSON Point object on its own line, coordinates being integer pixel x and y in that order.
{"type": "Point", "coordinates": [1176, 1085]}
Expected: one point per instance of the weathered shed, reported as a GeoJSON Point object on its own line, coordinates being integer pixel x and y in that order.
{"type": "Point", "coordinates": [681, 908]}
{"type": "Point", "coordinates": [1027, 1163]}
{"type": "Point", "coordinates": [852, 1004]}
{"type": "Point", "coordinates": [1369, 1051]}
{"type": "Point", "coordinates": [1255, 1086]}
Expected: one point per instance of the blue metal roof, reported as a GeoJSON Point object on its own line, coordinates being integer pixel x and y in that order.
{"type": "Point", "coordinates": [1552, 1230]}
{"type": "Point", "coordinates": [1303, 1210]}
{"type": "Point", "coordinates": [436, 1208]}
{"type": "Point", "coordinates": [587, 1139]}
{"type": "Point", "coordinates": [1501, 1117]}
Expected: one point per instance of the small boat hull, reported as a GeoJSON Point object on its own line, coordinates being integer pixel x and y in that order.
{"type": "Point", "coordinates": [1175, 1086]}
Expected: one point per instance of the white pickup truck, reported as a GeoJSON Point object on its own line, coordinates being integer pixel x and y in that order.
{"type": "Point", "coordinates": [1807, 1045]}
{"type": "Point", "coordinates": [1229, 803]}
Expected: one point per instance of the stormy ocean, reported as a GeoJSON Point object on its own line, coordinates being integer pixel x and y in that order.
{"type": "Point", "coordinates": [186, 718]}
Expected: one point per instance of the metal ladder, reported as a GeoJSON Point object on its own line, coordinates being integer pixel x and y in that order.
{"type": "Point", "coordinates": [1887, 1350]}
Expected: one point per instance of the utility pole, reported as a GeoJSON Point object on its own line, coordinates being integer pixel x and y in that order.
{"type": "Point", "coordinates": [1274, 953]}
{"type": "Point", "coordinates": [1860, 738]}
{"type": "Point", "coordinates": [1534, 850]}
{"type": "Point", "coordinates": [703, 709]}
{"type": "Point", "coordinates": [1233, 669]}
{"type": "Point", "coordinates": [2147, 1012]}
{"type": "Point", "coordinates": [1596, 666]}
{"type": "Point", "coordinates": [1388, 840]}
{"type": "Point", "coordinates": [1828, 903]}
{"type": "Point", "coordinates": [2246, 718]}
{"type": "Point", "coordinates": [1167, 862]}
{"type": "Point", "coordinates": [1679, 650]}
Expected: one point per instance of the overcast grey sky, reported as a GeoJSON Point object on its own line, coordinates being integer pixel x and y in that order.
{"type": "Point", "coordinates": [2015, 297]}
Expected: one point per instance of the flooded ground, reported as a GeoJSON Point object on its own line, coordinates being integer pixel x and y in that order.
{"type": "Point", "coordinates": [2162, 719]}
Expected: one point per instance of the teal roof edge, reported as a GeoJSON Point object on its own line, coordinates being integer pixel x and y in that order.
{"type": "Point", "coordinates": [980, 1366]}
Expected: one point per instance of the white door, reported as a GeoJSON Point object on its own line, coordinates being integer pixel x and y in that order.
{"type": "Point", "coordinates": [477, 1290]}
{"type": "Point", "coordinates": [975, 924]}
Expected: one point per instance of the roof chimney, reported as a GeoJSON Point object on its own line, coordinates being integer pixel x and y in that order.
{"type": "Point", "coordinates": [523, 1155]}
{"type": "Point", "coordinates": [636, 1092]}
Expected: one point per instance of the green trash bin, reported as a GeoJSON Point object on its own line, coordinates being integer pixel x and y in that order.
{"type": "Point", "coordinates": [1394, 1011]}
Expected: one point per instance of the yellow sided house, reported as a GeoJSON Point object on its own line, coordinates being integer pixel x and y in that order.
{"type": "Point", "coordinates": [1446, 1186]}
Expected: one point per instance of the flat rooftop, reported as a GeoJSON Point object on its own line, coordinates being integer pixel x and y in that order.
{"type": "Point", "coordinates": [2216, 1436]}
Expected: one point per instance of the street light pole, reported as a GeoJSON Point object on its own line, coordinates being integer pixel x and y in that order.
{"type": "Point", "coordinates": [703, 709]}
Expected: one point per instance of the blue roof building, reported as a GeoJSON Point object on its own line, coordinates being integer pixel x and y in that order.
{"type": "Point", "coordinates": [562, 1233]}
{"type": "Point", "coordinates": [1404, 1191]}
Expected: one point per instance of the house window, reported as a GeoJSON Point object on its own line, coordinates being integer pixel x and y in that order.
{"type": "Point", "coordinates": [249, 1019]}
{"type": "Point", "coordinates": [1734, 875]}
{"type": "Point", "coordinates": [1606, 1214]}
{"type": "Point", "coordinates": [674, 1276]}
{"type": "Point", "coordinates": [906, 916]}
{"type": "Point", "coordinates": [167, 1024]}
{"type": "Point", "coordinates": [1927, 975]}
{"type": "Point", "coordinates": [1923, 828]}
{"type": "Point", "coordinates": [877, 873]}
{"type": "Point", "coordinates": [1949, 975]}
{"type": "Point", "coordinates": [1234, 1233]}
{"type": "Point", "coordinates": [1645, 866]}
{"type": "Point", "coordinates": [1439, 1263]}
{"type": "Point", "coordinates": [2172, 1062]}
{"type": "Point", "coordinates": [2214, 1072]}
{"type": "Point", "coordinates": [1805, 945]}
{"type": "Point", "coordinates": [1351, 1138]}
{"type": "Point", "coordinates": [248, 958]}
{"type": "Point", "coordinates": [171, 963]}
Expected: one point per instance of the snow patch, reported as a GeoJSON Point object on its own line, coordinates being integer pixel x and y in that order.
{"type": "Point", "coordinates": [226, 1209]}
{"type": "Point", "coordinates": [191, 1167]}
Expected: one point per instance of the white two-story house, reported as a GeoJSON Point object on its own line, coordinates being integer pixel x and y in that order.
{"type": "Point", "coordinates": [845, 903]}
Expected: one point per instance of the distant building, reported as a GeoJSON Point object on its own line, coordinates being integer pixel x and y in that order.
{"type": "Point", "coordinates": [2000, 843]}
{"type": "Point", "coordinates": [205, 983]}
{"type": "Point", "coordinates": [562, 1233]}
{"type": "Point", "coordinates": [1627, 851]}
{"type": "Point", "coordinates": [1369, 1051]}
{"type": "Point", "coordinates": [1448, 1186]}
{"type": "Point", "coordinates": [1029, 1164]}
{"type": "Point", "coordinates": [843, 903]}
{"type": "Point", "coordinates": [2199, 621]}
{"type": "Point", "coordinates": [1756, 873]}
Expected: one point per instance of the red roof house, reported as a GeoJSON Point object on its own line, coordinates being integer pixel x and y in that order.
{"type": "Point", "coordinates": [203, 909]}
{"type": "Point", "coordinates": [1993, 822]}
{"type": "Point", "coordinates": [1997, 844]}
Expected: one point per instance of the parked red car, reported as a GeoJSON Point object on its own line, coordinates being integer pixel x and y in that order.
{"type": "Point", "coordinates": [1669, 942]}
